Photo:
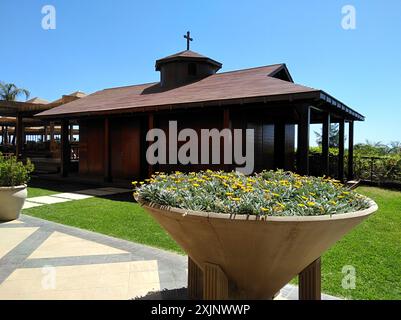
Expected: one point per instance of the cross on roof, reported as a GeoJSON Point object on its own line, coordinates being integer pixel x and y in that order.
{"type": "Point", "coordinates": [188, 37]}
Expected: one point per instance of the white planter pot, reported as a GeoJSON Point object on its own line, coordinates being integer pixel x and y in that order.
{"type": "Point", "coordinates": [11, 202]}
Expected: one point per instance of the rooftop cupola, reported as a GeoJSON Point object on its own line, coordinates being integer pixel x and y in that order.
{"type": "Point", "coordinates": [185, 67]}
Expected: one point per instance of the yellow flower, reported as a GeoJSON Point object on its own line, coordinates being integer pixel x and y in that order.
{"type": "Point", "coordinates": [236, 199]}
{"type": "Point", "coordinates": [196, 185]}
{"type": "Point", "coordinates": [141, 182]}
{"type": "Point", "coordinates": [229, 194]}
{"type": "Point", "coordinates": [275, 194]}
{"type": "Point", "coordinates": [301, 205]}
{"type": "Point", "coordinates": [134, 182]}
{"type": "Point", "coordinates": [311, 204]}
{"type": "Point", "coordinates": [305, 198]}
{"type": "Point", "coordinates": [265, 209]}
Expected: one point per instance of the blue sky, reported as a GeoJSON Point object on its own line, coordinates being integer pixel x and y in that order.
{"type": "Point", "coordinates": [100, 44]}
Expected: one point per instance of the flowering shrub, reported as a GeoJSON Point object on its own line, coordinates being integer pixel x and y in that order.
{"type": "Point", "coordinates": [273, 193]}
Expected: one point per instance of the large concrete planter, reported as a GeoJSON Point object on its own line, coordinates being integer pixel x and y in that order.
{"type": "Point", "coordinates": [258, 256]}
{"type": "Point", "coordinates": [11, 202]}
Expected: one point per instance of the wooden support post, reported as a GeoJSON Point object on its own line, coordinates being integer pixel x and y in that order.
{"type": "Point", "coordinates": [351, 150]}
{"type": "Point", "coordinates": [341, 150]}
{"type": "Point", "coordinates": [151, 124]}
{"type": "Point", "coordinates": [65, 149]}
{"type": "Point", "coordinates": [107, 151]}
{"type": "Point", "coordinates": [326, 144]}
{"type": "Point", "coordinates": [71, 133]}
{"type": "Point", "coordinates": [5, 141]}
{"type": "Point", "coordinates": [215, 283]}
{"type": "Point", "coordinates": [51, 131]}
{"type": "Point", "coordinates": [20, 142]}
{"type": "Point", "coordinates": [310, 282]}
{"type": "Point", "coordinates": [195, 280]}
{"type": "Point", "coordinates": [226, 125]}
{"type": "Point", "coordinates": [303, 140]}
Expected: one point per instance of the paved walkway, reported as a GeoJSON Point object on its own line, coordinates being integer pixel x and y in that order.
{"type": "Point", "coordinates": [45, 260]}
{"type": "Point", "coordinates": [40, 259]}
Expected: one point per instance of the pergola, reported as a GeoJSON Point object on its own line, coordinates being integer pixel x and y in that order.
{"type": "Point", "coordinates": [17, 121]}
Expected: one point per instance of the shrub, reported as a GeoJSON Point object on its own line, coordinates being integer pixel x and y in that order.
{"type": "Point", "coordinates": [273, 193]}
{"type": "Point", "coordinates": [13, 172]}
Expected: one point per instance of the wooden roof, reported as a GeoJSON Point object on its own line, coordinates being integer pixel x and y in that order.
{"type": "Point", "coordinates": [248, 85]}
{"type": "Point", "coordinates": [186, 55]}
{"type": "Point", "coordinates": [35, 105]}
{"type": "Point", "coordinates": [37, 100]}
{"type": "Point", "coordinates": [221, 86]}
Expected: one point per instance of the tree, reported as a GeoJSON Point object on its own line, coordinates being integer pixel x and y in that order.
{"type": "Point", "coordinates": [10, 92]}
{"type": "Point", "coordinates": [395, 147]}
{"type": "Point", "coordinates": [334, 136]}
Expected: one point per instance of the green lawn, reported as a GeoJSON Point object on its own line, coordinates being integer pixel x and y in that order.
{"type": "Point", "coordinates": [37, 192]}
{"type": "Point", "coordinates": [373, 248]}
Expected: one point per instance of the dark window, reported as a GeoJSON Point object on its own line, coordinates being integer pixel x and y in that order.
{"type": "Point", "coordinates": [192, 69]}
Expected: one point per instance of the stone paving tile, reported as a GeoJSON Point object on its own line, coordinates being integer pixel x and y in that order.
{"type": "Point", "coordinates": [11, 237]}
{"type": "Point", "coordinates": [13, 222]}
{"type": "Point", "coordinates": [72, 196]}
{"type": "Point", "coordinates": [64, 245]}
{"type": "Point", "coordinates": [28, 204]}
{"type": "Point", "coordinates": [47, 200]}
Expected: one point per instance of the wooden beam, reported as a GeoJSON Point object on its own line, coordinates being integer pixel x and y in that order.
{"type": "Point", "coordinates": [303, 140]}
{"type": "Point", "coordinates": [65, 149]}
{"type": "Point", "coordinates": [20, 142]}
{"type": "Point", "coordinates": [351, 150]}
{"type": "Point", "coordinates": [195, 280]}
{"type": "Point", "coordinates": [226, 125]}
{"type": "Point", "coordinates": [215, 283]}
{"type": "Point", "coordinates": [341, 150]}
{"type": "Point", "coordinates": [151, 124]}
{"type": "Point", "coordinates": [326, 144]}
{"type": "Point", "coordinates": [310, 282]}
{"type": "Point", "coordinates": [51, 131]}
{"type": "Point", "coordinates": [107, 151]}
{"type": "Point", "coordinates": [6, 135]}
{"type": "Point", "coordinates": [71, 133]}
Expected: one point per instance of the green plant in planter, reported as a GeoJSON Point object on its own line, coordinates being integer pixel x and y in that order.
{"type": "Point", "coordinates": [271, 193]}
{"type": "Point", "coordinates": [14, 172]}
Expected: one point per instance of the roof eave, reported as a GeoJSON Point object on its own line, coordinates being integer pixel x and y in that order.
{"type": "Point", "coordinates": [341, 106]}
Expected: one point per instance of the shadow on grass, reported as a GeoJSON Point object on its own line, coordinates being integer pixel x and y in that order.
{"type": "Point", "coordinates": [166, 294]}
{"type": "Point", "coordinates": [58, 187]}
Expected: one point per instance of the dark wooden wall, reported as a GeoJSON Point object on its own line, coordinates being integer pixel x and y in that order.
{"type": "Point", "coordinates": [125, 147]}
{"type": "Point", "coordinates": [274, 142]}
{"type": "Point", "coordinates": [91, 147]}
{"type": "Point", "coordinates": [124, 143]}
